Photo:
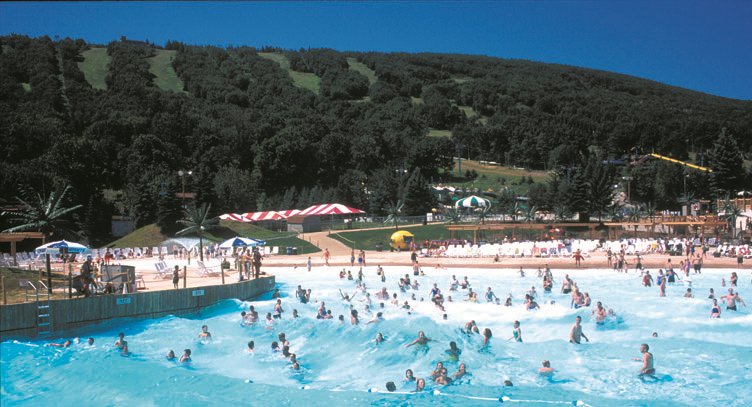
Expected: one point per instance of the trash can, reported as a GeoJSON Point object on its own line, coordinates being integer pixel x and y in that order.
{"type": "Point", "coordinates": [289, 251]}
{"type": "Point", "coordinates": [379, 246]}
{"type": "Point", "coordinates": [294, 251]}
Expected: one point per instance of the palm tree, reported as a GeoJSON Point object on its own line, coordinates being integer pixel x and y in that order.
{"type": "Point", "coordinates": [634, 213]}
{"type": "Point", "coordinates": [528, 215]}
{"type": "Point", "coordinates": [46, 216]}
{"type": "Point", "coordinates": [454, 216]}
{"type": "Point", "coordinates": [484, 213]}
{"type": "Point", "coordinates": [561, 213]}
{"type": "Point", "coordinates": [513, 209]}
{"type": "Point", "coordinates": [732, 212]}
{"type": "Point", "coordinates": [615, 212]}
{"type": "Point", "coordinates": [197, 222]}
{"type": "Point", "coordinates": [393, 212]}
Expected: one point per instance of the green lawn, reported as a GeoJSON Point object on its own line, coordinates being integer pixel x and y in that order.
{"type": "Point", "coordinates": [493, 177]}
{"type": "Point", "coordinates": [367, 239]}
{"type": "Point", "coordinates": [439, 133]}
{"type": "Point", "coordinates": [94, 67]}
{"type": "Point", "coordinates": [161, 66]}
{"type": "Point", "coordinates": [360, 67]}
{"type": "Point", "coordinates": [301, 80]}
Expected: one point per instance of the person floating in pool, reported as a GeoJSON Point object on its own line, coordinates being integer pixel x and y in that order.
{"type": "Point", "coordinates": [546, 370]}
{"type": "Point", "coordinates": [422, 340]}
{"type": "Point", "coordinates": [732, 299]}
{"type": "Point", "coordinates": [60, 345]}
{"type": "Point", "coordinates": [278, 310]}
{"type": "Point", "coordinates": [517, 333]}
{"type": "Point", "coordinates": [186, 356]}
{"type": "Point", "coordinates": [437, 372]}
{"type": "Point", "coordinates": [204, 333]}
{"type": "Point", "coordinates": [490, 295]}
{"type": "Point", "coordinates": [125, 352]}
{"type": "Point", "coordinates": [647, 359]}
{"type": "Point", "coordinates": [379, 338]}
{"type": "Point", "coordinates": [171, 355]}
{"type": "Point", "coordinates": [576, 334]}
{"type": "Point", "coordinates": [409, 377]}
{"type": "Point", "coordinates": [715, 310]}
{"type": "Point", "coordinates": [487, 337]}
{"type": "Point", "coordinates": [688, 294]}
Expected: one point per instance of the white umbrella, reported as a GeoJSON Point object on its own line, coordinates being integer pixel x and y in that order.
{"type": "Point", "coordinates": [472, 201]}
{"type": "Point", "coordinates": [63, 244]}
{"type": "Point", "coordinates": [240, 242]}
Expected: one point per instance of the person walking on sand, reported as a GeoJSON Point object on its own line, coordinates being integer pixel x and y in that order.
{"type": "Point", "coordinates": [578, 258]}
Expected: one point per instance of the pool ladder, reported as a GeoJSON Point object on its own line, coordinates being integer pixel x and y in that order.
{"type": "Point", "coordinates": [44, 317]}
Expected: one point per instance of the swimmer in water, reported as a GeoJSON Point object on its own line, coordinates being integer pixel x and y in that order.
{"type": "Point", "coordinates": [546, 370]}
{"type": "Point", "coordinates": [251, 345]}
{"type": "Point", "coordinates": [421, 341]}
{"type": "Point", "coordinates": [409, 377]}
{"type": "Point", "coordinates": [376, 320]}
{"type": "Point", "coordinates": [443, 379]}
{"type": "Point", "coordinates": [487, 337]}
{"type": "Point", "coordinates": [171, 355]}
{"type": "Point", "coordinates": [60, 345]}
{"type": "Point", "coordinates": [517, 333]}
{"type": "Point", "coordinates": [186, 356]}
{"type": "Point", "coordinates": [453, 351]}
{"type": "Point", "coordinates": [204, 333]}
{"type": "Point", "coordinates": [125, 352]}
{"type": "Point", "coordinates": [121, 341]}
{"type": "Point", "coordinates": [647, 359]}
{"type": "Point", "coordinates": [436, 373]}
{"type": "Point", "coordinates": [599, 312]}
{"type": "Point", "coordinates": [420, 385]}
{"type": "Point", "coordinates": [576, 334]}
{"type": "Point", "coordinates": [715, 311]}
{"type": "Point", "coordinates": [379, 338]}
{"type": "Point", "coordinates": [470, 327]}
{"type": "Point", "coordinates": [460, 372]}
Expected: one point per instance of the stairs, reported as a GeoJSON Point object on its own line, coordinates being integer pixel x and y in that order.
{"type": "Point", "coordinates": [44, 317]}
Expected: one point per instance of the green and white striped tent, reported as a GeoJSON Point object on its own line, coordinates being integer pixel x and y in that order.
{"type": "Point", "coordinates": [472, 202]}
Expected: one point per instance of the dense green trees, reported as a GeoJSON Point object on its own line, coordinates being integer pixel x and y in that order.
{"type": "Point", "coordinates": [251, 136]}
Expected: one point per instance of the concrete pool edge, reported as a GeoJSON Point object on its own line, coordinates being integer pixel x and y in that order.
{"type": "Point", "coordinates": [19, 321]}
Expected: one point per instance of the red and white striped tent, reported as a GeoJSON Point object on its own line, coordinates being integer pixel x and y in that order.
{"type": "Point", "coordinates": [329, 209]}
{"type": "Point", "coordinates": [259, 216]}
{"type": "Point", "coordinates": [234, 216]}
{"type": "Point", "coordinates": [288, 213]}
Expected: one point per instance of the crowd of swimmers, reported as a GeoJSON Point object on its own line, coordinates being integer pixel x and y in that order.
{"type": "Point", "coordinates": [440, 375]}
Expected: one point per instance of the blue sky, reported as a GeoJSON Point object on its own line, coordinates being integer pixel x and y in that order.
{"type": "Point", "coordinates": [700, 45]}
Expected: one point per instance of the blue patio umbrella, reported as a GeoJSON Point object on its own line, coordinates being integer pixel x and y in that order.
{"type": "Point", "coordinates": [64, 246]}
{"type": "Point", "coordinates": [240, 242]}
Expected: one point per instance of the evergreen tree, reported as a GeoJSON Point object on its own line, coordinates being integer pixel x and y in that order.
{"type": "Point", "coordinates": [169, 210]}
{"type": "Point", "coordinates": [288, 200]}
{"type": "Point", "coordinates": [418, 198]}
{"type": "Point", "coordinates": [727, 165]}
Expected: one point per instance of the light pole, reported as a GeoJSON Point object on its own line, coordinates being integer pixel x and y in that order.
{"type": "Point", "coordinates": [629, 188]}
{"type": "Point", "coordinates": [686, 197]}
{"type": "Point", "coordinates": [182, 175]}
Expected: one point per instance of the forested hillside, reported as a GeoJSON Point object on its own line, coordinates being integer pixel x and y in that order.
{"type": "Point", "coordinates": [255, 139]}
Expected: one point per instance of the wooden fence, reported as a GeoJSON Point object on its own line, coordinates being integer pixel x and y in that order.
{"type": "Point", "coordinates": [20, 320]}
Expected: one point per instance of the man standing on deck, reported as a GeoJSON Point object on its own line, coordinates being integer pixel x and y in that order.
{"type": "Point", "coordinates": [257, 262]}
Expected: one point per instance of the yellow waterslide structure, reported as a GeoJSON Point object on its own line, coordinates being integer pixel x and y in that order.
{"type": "Point", "coordinates": [697, 167]}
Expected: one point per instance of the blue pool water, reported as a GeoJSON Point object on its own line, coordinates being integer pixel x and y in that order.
{"type": "Point", "coordinates": [699, 361]}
